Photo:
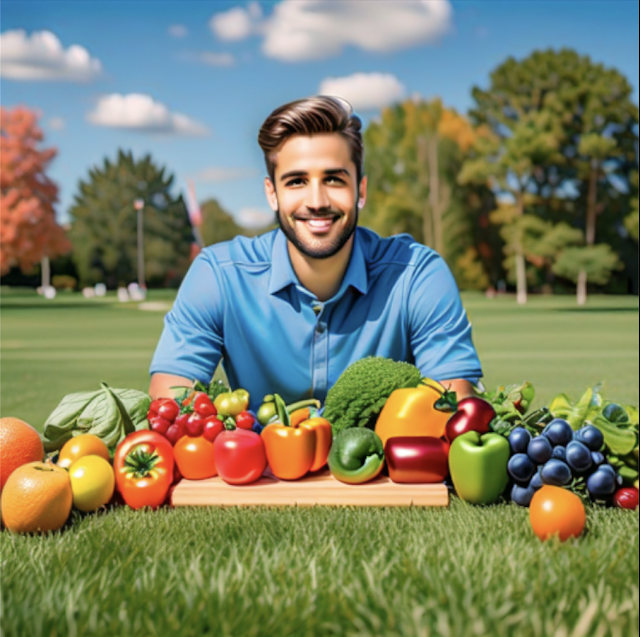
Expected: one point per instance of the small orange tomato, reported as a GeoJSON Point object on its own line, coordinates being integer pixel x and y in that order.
{"type": "Point", "coordinates": [81, 446]}
{"type": "Point", "coordinates": [195, 458]}
{"type": "Point", "coordinates": [556, 511]}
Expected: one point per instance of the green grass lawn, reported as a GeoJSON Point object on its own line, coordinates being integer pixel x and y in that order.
{"type": "Point", "coordinates": [326, 571]}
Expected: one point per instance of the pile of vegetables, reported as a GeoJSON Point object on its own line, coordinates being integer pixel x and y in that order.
{"type": "Point", "coordinates": [380, 413]}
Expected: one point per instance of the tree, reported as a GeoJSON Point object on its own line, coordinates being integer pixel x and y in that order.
{"type": "Point", "coordinates": [217, 224]}
{"type": "Point", "coordinates": [104, 231]}
{"type": "Point", "coordinates": [412, 157]}
{"type": "Point", "coordinates": [27, 196]}
{"type": "Point", "coordinates": [595, 126]}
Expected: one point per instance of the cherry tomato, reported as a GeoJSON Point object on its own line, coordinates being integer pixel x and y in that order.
{"type": "Point", "coordinates": [159, 424]}
{"type": "Point", "coordinates": [169, 409]}
{"type": "Point", "coordinates": [195, 458]}
{"type": "Point", "coordinates": [556, 511]}
{"type": "Point", "coordinates": [627, 498]}
{"type": "Point", "coordinates": [195, 425]}
{"type": "Point", "coordinates": [173, 434]}
{"type": "Point", "coordinates": [212, 427]}
{"type": "Point", "coordinates": [80, 446]}
{"type": "Point", "coordinates": [92, 482]}
{"type": "Point", "coordinates": [202, 405]}
{"type": "Point", "coordinates": [154, 406]}
{"type": "Point", "coordinates": [245, 420]}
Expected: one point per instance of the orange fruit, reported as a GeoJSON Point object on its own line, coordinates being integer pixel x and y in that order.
{"type": "Point", "coordinates": [19, 444]}
{"type": "Point", "coordinates": [556, 511]}
{"type": "Point", "coordinates": [81, 446]}
{"type": "Point", "coordinates": [36, 497]}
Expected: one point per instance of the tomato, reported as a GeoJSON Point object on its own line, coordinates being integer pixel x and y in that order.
{"type": "Point", "coordinates": [203, 406]}
{"type": "Point", "coordinates": [80, 446]}
{"type": "Point", "coordinates": [212, 427]}
{"type": "Point", "coordinates": [556, 511]}
{"type": "Point", "coordinates": [92, 482]}
{"type": "Point", "coordinates": [245, 420]}
{"type": "Point", "coordinates": [240, 456]}
{"type": "Point", "coordinates": [169, 409]}
{"type": "Point", "coordinates": [195, 458]}
{"type": "Point", "coordinates": [627, 498]}
{"type": "Point", "coordinates": [195, 425]}
{"type": "Point", "coordinates": [143, 465]}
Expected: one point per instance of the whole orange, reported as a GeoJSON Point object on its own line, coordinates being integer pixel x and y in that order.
{"type": "Point", "coordinates": [81, 446]}
{"type": "Point", "coordinates": [19, 444]}
{"type": "Point", "coordinates": [556, 511]}
{"type": "Point", "coordinates": [36, 497]}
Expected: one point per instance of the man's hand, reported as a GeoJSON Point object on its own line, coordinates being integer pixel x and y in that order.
{"type": "Point", "coordinates": [161, 384]}
{"type": "Point", "coordinates": [463, 388]}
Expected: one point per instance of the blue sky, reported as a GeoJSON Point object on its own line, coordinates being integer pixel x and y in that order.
{"type": "Point", "coordinates": [191, 82]}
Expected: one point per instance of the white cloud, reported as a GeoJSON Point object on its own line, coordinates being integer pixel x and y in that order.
{"type": "Point", "coordinates": [214, 174]}
{"type": "Point", "coordinates": [301, 30]}
{"type": "Point", "coordinates": [255, 217]}
{"type": "Point", "coordinates": [365, 91]}
{"type": "Point", "coordinates": [236, 23]}
{"type": "Point", "coordinates": [178, 31]}
{"type": "Point", "coordinates": [141, 112]}
{"type": "Point", "coordinates": [41, 56]}
{"type": "Point", "coordinates": [215, 59]}
{"type": "Point", "coordinates": [57, 123]}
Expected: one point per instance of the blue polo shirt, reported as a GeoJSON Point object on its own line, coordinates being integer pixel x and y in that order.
{"type": "Point", "coordinates": [241, 300]}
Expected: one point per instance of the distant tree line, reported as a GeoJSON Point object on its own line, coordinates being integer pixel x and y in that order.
{"type": "Point", "coordinates": [535, 189]}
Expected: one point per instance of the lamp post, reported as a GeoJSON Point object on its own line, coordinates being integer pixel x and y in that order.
{"type": "Point", "coordinates": [138, 204]}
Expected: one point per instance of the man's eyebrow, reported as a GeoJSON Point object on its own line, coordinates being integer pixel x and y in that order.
{"type": "Point", "coordinates": [302, 173]}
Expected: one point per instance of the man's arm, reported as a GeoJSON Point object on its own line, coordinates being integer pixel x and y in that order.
{"type": "Point", "coordinates": [161, 384]}
{"type": "Point", "coordinates": [463, 388]}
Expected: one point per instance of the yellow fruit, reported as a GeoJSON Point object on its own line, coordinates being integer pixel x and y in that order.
{"type": "Point", "coordinates": [36, 497]}
{"type": "Point", "coordinates": [92, 482]}
{"type": "Point", "coordinates": [80, 446]}
{"type": "Point", "coordinates": [19, 444]}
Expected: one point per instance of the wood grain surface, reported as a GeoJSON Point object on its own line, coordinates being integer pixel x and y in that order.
{"type": "Point", "coordinates": [319, 489]}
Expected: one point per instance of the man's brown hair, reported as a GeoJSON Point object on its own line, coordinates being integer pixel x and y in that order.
{"type": "Point", "coordinates": [311, 116]}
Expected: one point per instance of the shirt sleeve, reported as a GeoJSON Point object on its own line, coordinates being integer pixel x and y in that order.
{"type": "Point", "coordinates": [192, 339]}
{"type": "Point", "coordinates": [440, 332]}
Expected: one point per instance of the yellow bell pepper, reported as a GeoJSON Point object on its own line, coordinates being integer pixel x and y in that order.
{"type": "Point", "coordinates": [416, 411]}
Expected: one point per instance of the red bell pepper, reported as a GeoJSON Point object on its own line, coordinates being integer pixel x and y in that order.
{"type": "Point", "coordinates": [143, 465]}
{"type": "Point", "coordinates": [240, 456]}
{"type": "Point", "coordinates": [417, 459]}
{"type": "Point", "coordinates": [473, 414]}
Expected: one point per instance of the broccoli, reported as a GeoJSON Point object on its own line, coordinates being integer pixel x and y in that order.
{"type": "Point", "coordinates": [358, 396]}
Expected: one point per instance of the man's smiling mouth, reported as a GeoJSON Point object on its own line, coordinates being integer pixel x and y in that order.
{"type": "Point", "coordinates": [317, 225]}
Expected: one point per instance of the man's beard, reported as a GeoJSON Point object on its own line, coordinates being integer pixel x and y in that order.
{"type": "Point", "coordinates": [330, 249]}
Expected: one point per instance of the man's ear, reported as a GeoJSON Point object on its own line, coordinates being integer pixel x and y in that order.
{"type": "Point", "coordinates": [362, 193]}
{"type": "Point", "coordinates": [270, 192]}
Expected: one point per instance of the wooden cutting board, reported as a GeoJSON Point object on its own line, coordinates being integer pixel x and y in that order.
{"type": "Point", "coordinates": [319, 489]}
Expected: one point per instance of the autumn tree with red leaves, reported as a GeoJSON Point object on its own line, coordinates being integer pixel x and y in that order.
{"type": "Point", "coordinates": [28, 228]}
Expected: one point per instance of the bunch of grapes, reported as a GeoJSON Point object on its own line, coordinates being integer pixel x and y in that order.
{"type": "Point", "coordinates": [560, 457]}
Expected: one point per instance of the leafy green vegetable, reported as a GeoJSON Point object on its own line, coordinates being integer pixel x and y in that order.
{"type": "Point", "coordinates": [108, 413]}
{"type": "Point", "coordinates": [358, 396]}
{"type": "Point", "coordinates": [587, 408]}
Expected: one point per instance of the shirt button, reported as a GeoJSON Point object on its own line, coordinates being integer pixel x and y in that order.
{"type": "Point", "coordinates": [321, 327]}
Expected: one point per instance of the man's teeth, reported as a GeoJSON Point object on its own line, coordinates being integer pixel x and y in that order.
{"type": "Point", "coordinates": [320, 223]}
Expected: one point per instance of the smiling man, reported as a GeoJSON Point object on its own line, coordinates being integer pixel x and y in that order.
{"type": "Point", "coordinates": [290, 310]}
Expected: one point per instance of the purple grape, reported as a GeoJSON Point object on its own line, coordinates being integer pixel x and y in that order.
{"type": "Point", "coordinates": [559, 432]}
{"type": "Point", "coordinates": [560, 453]}
{"type": "Point", "coordinates": [520, 468]}
{"type": "Point", "coordinates": [536, 482]}
{"type": "Point", "coordinates": [522, 495]}
{"type": "Point", "coordinates": [519, 440]}
{"type": "Point", "coordinates": [601, 484]}
{"type": "Point", "coordinates": [556, 473]}
{"type": "Point", "coordinates": [597, 458]}
{"type": "Point", "coordinates": [579, 457]}
{"type": "Point", "coordinates": [540, 450]}
{"type": "Point", "coordinates": [591, 437]}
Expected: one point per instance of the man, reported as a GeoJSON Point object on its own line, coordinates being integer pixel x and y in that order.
{"type": "Point", "coordinates": [290, 310]}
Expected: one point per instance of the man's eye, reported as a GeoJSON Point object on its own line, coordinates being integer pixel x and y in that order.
{"type": "Point", "coordinates": [334, 179]}
{"type": "Point", "coordinates": [294, 182]}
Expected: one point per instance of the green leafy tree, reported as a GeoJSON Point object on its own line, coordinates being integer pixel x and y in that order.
{"type": "Point", "coordinates": [412, 158]}
{"type": "Point", "coordinates": [587, 182]}
{"type": "Point", "coordinates": [217, 224]}
{"type": "Point", "coordinates": [104, 224]}
{"type": "Point", "coordinates": [631, 220]}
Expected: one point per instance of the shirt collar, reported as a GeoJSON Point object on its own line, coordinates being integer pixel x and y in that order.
{"type": "Point", "coordinates": [283, 274]}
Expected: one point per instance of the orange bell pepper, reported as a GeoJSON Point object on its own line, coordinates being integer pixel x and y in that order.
{"type": "Point", "coordinates": [416, 411]}
{"type": "Point", "coordinates": [295, 445]}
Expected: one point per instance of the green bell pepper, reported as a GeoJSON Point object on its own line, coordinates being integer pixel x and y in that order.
{"type": "Point", "coordinates": [478, 466]}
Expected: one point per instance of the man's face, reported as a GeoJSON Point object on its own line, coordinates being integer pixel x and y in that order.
{"type": "Point", "coordinates": [316, 193]}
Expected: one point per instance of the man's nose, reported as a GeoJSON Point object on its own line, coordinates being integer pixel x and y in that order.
{"type": "Point", "coordinates": [317, 196]}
